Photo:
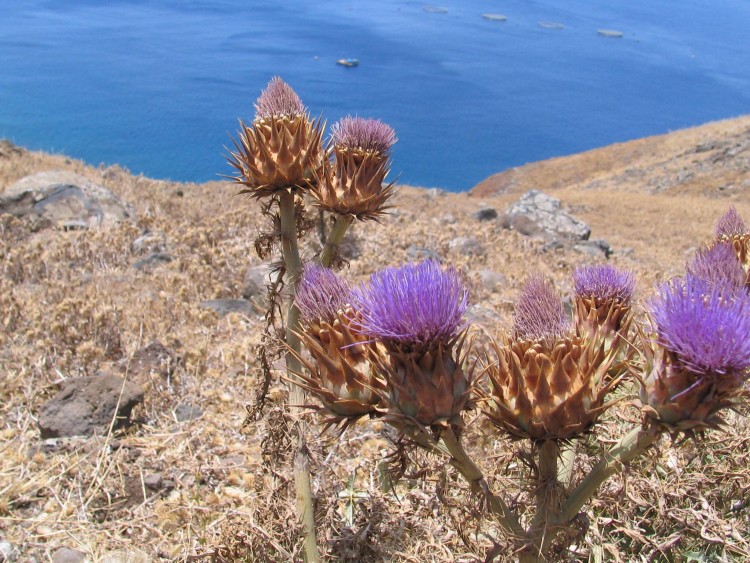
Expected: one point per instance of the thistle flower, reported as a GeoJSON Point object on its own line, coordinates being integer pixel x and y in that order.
{"type": "Point", "coordinates": [732, 229]}
{"type": "Point", "coordinates": [701, 355]}
{"type": "Point", "coordinates": [282, 148]}
{"type": "Point", "coordinates": [416, 312]}
{"type": "Point", "coordinates": [341, 373]}
{"type": "Point", "coordinates": [353, 183]}
{"type": "Point", "coordinates": [321, 294]}
{"type": "Point", "coordinates": [539, 313]}
{"type": "Point", "coordinates": [413, 306]}
{"type": "Point", "coordinates": [718, 266]}
{"type": "Point", "coordinates": [602, 300]}
{"type": "Point", "coordinates": [545, 382]}
{"type": "Point", "coordinates": [730, 224]}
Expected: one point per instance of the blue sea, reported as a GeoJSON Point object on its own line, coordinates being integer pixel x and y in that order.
{"type": "Point", "coordinates": [158, 85]}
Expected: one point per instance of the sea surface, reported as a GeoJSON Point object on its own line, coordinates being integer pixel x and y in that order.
{"type": "Point", "coordinates": [158, 85]}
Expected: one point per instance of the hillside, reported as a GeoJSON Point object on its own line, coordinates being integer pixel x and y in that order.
{"type": "Point", "coordinates": [81, 302]}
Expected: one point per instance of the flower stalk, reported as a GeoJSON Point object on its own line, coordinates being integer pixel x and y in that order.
{"type": "Point", "coordinates": [301, 469]}
{"type": "Point", "coordinates": [342, 224]}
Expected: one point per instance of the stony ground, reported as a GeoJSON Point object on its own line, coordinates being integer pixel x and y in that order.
{"type": "Point", "coordinates": [202, 486]}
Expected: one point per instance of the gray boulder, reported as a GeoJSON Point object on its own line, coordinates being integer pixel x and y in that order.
{"type": "Point", "coordinates": [537, 213]}
{"type": "Point", "coordinates": [64, 200]}
{"type": "Point", "coordinates": [87, 405]}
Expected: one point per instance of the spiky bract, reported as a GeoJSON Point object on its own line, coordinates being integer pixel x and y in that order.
{"type": "Point", "coordinates": [282, 148]}
{"type": "Point", "coordinates": [732, 229]}
{"type": "Point", "coordinates": [353, 183]}
{"type": "Point", "coordinates": [701, 354]}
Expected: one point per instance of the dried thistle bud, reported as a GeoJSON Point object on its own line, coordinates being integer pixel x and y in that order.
{"type": "Point", "coordinates": [699, 360]}
{"type": "Point", "coordinates": [539, 313]}
{"type": "Point", "coordinates": [353, 183]}
{"type": "Point", "coordinates": [282, 148]}
{"type": "Point", "coordinates": [416, 311]}
{"type": "Point", "coordinates": [603, 296]}
{"type": "Point", "coordinates": [718, 266]}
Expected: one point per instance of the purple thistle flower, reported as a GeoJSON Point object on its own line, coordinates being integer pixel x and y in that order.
{"type": "Point", "coordinates": [278, 99]}
{"type": "Point", "coordinates": [718, 266]}
{"type": "Point", "coordinates": [539, 312]}
{"type": "Point", "coordinates": [730, 224]}
{"type": "Point", "coordinates": [365, 134]}
{"type": "Point", "coordinates": [604, 283]}
{"type": "Point", "coordinates": [704, 327]}
{"type": "Point", "coordinates": [414, 304]}
{"type": "Point", "coordinates": [321, 293]}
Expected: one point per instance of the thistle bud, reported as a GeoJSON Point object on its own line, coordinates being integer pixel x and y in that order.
{"type": "Point", "coordinates": [416, 312]}
{"type": "Point", "coordinates": [282, 148]}
{"type": "Point", "coordinates": [732, 229]}
{"type": "Point", "coordinates": [545, 381]}
{"type": "Point", "coordinates": [353, 183]}
{"type": "Point", "coordinates": [699, 360]}
{"type": "Point", "coordinates": [603, 296]}
{"type": "Point", "coordinates": [341, 374]}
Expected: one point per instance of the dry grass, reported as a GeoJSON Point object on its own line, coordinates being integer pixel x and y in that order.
{"type": "Point", "coordinates": [71, 304]}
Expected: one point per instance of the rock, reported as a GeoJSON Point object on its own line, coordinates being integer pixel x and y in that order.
{"type": "Point", "coordinates": [418, 253]}
{"type": "Point", "coordinates": [86, 406]}
{"type": "Point", "coordinates": [131, 555]}
{"type": "Point", "coordinates": [7, 551]}
{"type": "Point", "coordinates": [448, 219]}
{"type": "Point", "coordinates": [150, 242]}
{"type": "Point", "coordinates": [186, 412]}
{"type": "Point", "coordinates": [68, 555]}
{"type": "Point", "coordinates": [595, 248]}
{"type": "Point", "coordinates": [223, 307]}
{"type": "Point", "coordinates": [257, 279]}
{"type": "Point", "coordinates": [65, 200]}
{"type": "Point", "coordinates": [485, 214]}
{"type": "Point", "coordinates": [154, 359]}
{"type": "Point", "coordinates": [153, 481]}
{"type": "Point", "coordinates": [468, 246]}
{"type": "Point", "coordinates": [152, 261]}
{"type": "Point", "coordinates": [537, 213]}
{"type": "Point", "coordinates": [490, 279]}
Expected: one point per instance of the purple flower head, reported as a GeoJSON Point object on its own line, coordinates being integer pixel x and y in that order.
{"type": "Point", "coordinates": [604, 283]}
{"type": "Point", "coordinates": [321, 293]}
{"type": "Point", "coordinates": [705, 327]}
{"type": "Point", "coordinates": [718, 266]}
{"type": "Point", "coordinates": [539, 313]}
{"type": "Point", "coordinates": [278, 99]}
{"type": "Point", "coordinates": [730, 224]}
{"type": "Point", "coordinates": [365, 134]}
{"type": "Point", "coordinates": [414, 304]}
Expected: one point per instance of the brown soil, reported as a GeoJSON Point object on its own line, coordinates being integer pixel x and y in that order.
{"type": "Point", "coordinates": [71, 304]}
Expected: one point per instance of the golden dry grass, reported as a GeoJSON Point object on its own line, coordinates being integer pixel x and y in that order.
{"type": "Point", "coordinates": [71, 304]}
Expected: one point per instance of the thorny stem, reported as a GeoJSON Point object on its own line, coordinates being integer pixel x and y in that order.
{"type": "Point", "coordinates": [473, 475]}
{"type": "Point", "coordinates": [547, 502]}
{"type": "Point", "coordinates": [301, 468]}
{"type": "Point", "coordinates": [334, 239]}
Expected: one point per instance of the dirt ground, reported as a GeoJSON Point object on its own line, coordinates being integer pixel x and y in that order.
{"type": "Point", "coordinates": [71, 304]}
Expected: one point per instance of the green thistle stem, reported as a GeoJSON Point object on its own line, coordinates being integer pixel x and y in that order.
{"type": "Point", "coordinates": [629, 447]}
{"type": "Point", "coordinates": [547, 502]}
{"type": "Point", "coordinates": [301, 467]}
{"type": "Point", "coordinates": [334, 238]}
{"type": "Point", "coordinates": [474, 476]}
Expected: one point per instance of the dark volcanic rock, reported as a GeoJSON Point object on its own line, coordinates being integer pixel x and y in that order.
{"type": "Point", "coordinates": [64, 199]}
{"type": "Point", "coordinates": [186, 412]}
{"type": "Point", "coordinates": [485, 214]}
{"type": "Point", "coordinates": [86, 406]}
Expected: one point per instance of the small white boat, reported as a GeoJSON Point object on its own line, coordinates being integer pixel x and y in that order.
{"type": "Point", "coordinates": [610, 33]}
{"type": "Point", "coordinates": [348, 62]}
